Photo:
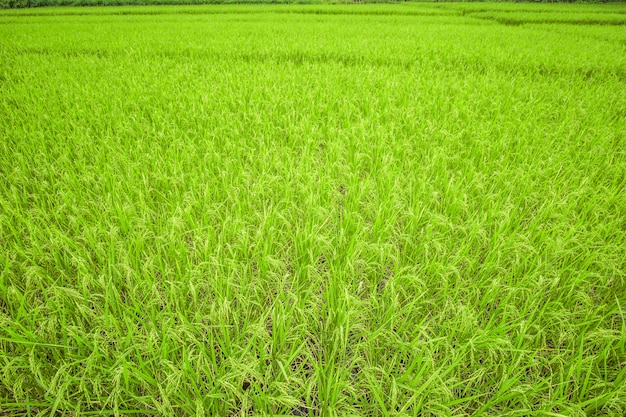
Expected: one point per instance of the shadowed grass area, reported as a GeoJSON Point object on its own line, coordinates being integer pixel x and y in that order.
{"type": "Point", "coordinates": [407, 210]}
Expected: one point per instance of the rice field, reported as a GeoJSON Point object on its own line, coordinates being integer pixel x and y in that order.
{"type": "Point", "coordinates": [313, 210]}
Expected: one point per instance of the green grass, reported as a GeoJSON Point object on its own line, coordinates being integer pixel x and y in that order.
{"type": "Point", "coordinates": [394, 210]}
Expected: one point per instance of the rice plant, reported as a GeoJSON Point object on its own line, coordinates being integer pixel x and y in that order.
{"type": "Point", "coordinates": [331, 210]}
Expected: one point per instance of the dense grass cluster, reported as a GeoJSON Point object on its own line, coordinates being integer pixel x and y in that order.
{"type": "Point", "coordinates": [410, 210]}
